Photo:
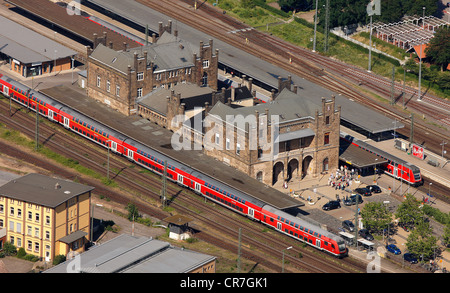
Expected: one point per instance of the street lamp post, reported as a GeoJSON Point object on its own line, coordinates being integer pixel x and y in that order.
{"type": "Point", "coordinates": [429, 188]}
{"type": "Point", "coordinates": [315, 27]}
{"type": "Point", "coordinates": [107, 161]}
{"type": "Point", "coordinates": [443, 144]}
{"type": "Point", "coordinates": [282, 263]}
{"type": "Point", "coordinates": [420, 57]}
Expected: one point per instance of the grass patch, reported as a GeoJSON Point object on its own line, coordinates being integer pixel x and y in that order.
{"type": "Point", "coordinates": [20, 139]}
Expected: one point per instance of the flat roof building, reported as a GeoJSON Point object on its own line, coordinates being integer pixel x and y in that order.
{"type": "Point", "coordinates": [30, 53]}
{"type": "Point", "coordinates": [132, 254]}
{"type": "Point", "coordinates": [44, 215]}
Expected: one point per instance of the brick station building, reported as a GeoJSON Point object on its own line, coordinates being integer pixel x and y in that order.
{"type": "Point", "coordinates": [120, 78]}
{"type": "Point", "coordinates": [307, 138]}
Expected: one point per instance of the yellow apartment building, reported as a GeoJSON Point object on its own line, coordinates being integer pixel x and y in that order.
{"type": "Point", "coordinates": [46, 216]}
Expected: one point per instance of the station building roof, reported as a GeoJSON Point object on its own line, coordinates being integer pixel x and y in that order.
{"type": "Point", "coordinates": [356, 156]}
{"type": "Point", "coordinates": [28, 46]}
{"type": "Point", "coordinates": [131, 254]}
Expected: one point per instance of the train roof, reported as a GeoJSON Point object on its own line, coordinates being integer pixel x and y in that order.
{"type": "Point", "coordinates": [93, 123]}
{"type": "Point", "coordinates": [381, 153]}
{"type": "Point", "coordinates": [302, 222]}
{"type": "Point", "coordinates": [195, 173]}
{"type": "Point", "coordinates": [234, 191]}
{"type": "Point", "coordinates": [24, 89]}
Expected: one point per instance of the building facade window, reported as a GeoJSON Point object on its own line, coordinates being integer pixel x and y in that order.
{"type": "Point", "coordinates": [118, 91]}
{"type": "Point", "coordinates": [140, 76]}
{"type": "Point", "coordinates": [326, 138]}
{"type": "Point", "coordinates": [205, 63]}
{"type": "Point", "coordinates": [139, 92]}
{"type": "Point", "coordinates": [99, 80]}
{"type": "Point", "coordinates": [108, 86]}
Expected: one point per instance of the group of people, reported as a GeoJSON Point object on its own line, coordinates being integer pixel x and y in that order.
{"type": "Point", "coordinates": [342, 178]}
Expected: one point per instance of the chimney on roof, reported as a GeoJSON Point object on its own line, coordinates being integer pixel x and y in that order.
{"type": "Point", "coordinates": [110, 44]}
{"type": "Point", "coordinates": [57, 186]}
{"type": "Point", "coordinates": [125, 46]}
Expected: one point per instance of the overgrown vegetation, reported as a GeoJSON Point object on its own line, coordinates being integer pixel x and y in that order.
{"type": "Point", "coordinates": [264, 16]}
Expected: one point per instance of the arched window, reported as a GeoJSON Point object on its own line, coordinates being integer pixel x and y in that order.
{"type": "Point", "coordinates": [205, 79]}
{"type": "Point", "coordinates": [325, 165]}
{"type": "Point", "coordinates": [259, 176]}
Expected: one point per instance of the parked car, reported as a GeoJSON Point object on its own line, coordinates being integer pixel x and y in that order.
{"type": "Point", "coordinates": [409, 257]}
{"type": "Point", "coordinates": [363, 191]}
{"type": "Point", "coordinates": [393, 248]}
{"type": "Point", "coordinates": [352, 199]}
{"type": "Point", "coordinates": [364, 233]}
{"type": "Point", "coordinates": [348, 225]}
{"type": "Point", "coordinates": [374, 188]}
{"type": "Point", "coordinates": [331, 205]}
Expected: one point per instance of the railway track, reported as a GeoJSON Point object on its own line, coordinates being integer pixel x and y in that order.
{"type": "Point", "coordinates": [305, 63]}
{"type": "Point", "coordinates": [276, 251]}
{"type": "Point", "coordinates": [311, 66]}
{"type": "Point", "coordinates": [143, 189]}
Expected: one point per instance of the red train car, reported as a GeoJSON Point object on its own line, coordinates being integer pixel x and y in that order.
{"type": "Point", "coordinates": [200, 183]}
{"type": "Point", "coordinates": [396, 167]}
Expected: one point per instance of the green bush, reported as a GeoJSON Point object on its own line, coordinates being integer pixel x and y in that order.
{"type": "Point", "coordinates": [59, 259]}
{"type": "Point", "coordinates": [437, 214]}
{"type": "Point", "coordinates": [21, 253]}
{"type": "Point", "coordinates": [9, 249]}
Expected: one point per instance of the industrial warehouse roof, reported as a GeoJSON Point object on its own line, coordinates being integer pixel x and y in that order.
{"type": "Point", "coordinates": [131, 254]}
{"type": "Point", "coordinates": [42, 190]}
{"type": "Point", "coordinates": [28, 46]}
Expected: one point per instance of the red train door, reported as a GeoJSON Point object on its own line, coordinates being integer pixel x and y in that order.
{"type": "Point", "coordinates": [66, 122]}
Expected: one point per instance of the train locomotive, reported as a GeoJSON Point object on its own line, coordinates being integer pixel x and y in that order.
{"type": "Point", "coordinates": [202, 184]}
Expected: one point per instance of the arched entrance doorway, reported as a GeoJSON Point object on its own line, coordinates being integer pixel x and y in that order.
{"type": "Point", "coordinates": [278, 172]}
{"type": "Point", "coordinates": [292, 169]}
{"type": "Point", "coordinates": [306, 165]}
{"type": "Point", "coordinates": [325, 165]}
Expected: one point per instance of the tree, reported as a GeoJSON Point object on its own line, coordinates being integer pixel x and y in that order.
{"type": "Point", "coordinates": [420, 241]}
{"type": "Point", "coordinates": [290, 5]}
{"type": "Point", "coordinates": [446, 236]}
{"type": "Point", "coordinates": [375, 216]}
{"type": "Point", "coordinates": [133, 213]}
{"type": "Point", "coordinates": [438, 49]}
{"type": "Point", "coordinates": [409, 212]}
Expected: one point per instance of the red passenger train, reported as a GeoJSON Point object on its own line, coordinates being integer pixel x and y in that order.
{"type": "Point", "coordinates": [176, 171]}
{"type": "Point", "coordinates": [395, 167]}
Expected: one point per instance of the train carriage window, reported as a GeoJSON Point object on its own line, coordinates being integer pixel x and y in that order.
{"type": "Point", "coordinates": [325, 243]}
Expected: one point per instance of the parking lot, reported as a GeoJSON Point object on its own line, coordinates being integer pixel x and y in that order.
{"type": "Point", "coordinates": [314, 193]}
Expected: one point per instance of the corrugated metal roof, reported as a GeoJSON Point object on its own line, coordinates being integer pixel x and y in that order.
{"type": "Point", "coordinates": [132, 254]}
{"type": "Point", "coordinates": [28, 46]}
